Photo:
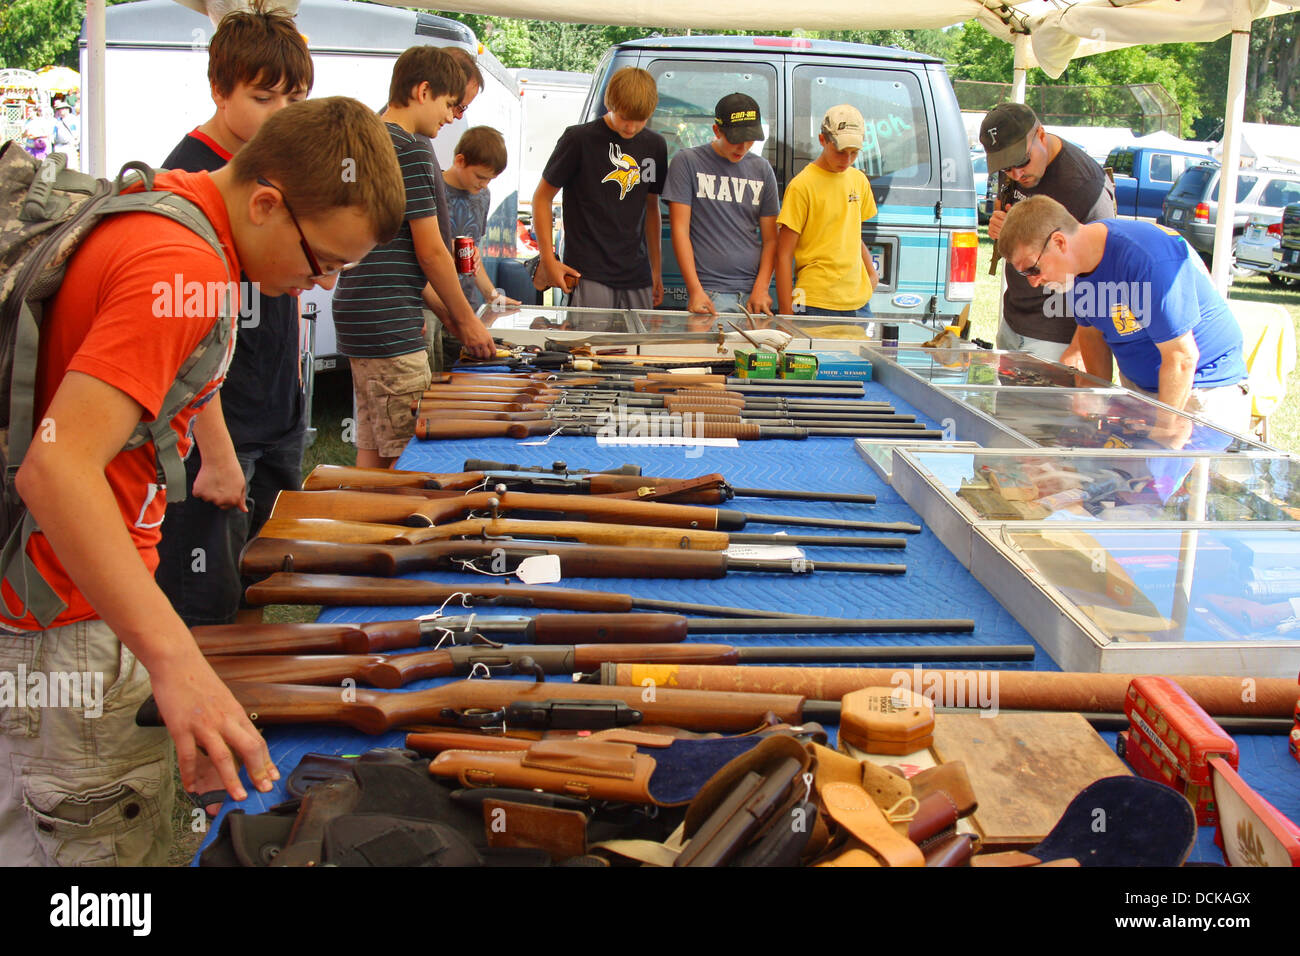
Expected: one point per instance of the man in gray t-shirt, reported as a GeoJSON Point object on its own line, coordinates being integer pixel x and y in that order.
{"type": "Point", "coordinates": [722, 206]}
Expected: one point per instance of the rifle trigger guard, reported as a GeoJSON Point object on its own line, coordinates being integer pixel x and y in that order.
{"type": "Point", "coordinates": [475, 718]}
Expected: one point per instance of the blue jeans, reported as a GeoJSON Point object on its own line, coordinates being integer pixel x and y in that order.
{"type": "Point", "coordinates": [862, 313]}
{"type": "Point", "coordinates": [198, 556]}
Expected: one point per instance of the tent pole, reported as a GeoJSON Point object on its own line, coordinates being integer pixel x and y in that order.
{"type": "Point", "coordinates": [1019, 68]}
{"type": "Point", "coordinates": [1234, 113]}
{"type": "Point", "coordinates": [93, 101]}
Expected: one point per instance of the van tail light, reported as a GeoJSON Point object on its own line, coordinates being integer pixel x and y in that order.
{"type": "Point", "coordinates": [1275, 230]}
{"type": "Point", "coordinates": [962, 250]}
{"type": "Point", "coordinates": [1201, 213]}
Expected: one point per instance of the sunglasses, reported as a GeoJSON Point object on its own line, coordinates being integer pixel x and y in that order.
{"type": "Point", "coordinates": [316, 271]}
{"type": "Point", "coordinates": [1029, 153]}
{"type": "Point", "coordinates": [1034, 270]}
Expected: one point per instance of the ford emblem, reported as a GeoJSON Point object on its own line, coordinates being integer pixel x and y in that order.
{"type": "Point", "coordinates": [906, 300]}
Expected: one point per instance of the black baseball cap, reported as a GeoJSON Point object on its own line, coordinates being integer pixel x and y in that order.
{"type": "Point", "coordinates": [1004, 134]}
{"type": "Point", "coordinates": [737, 115]}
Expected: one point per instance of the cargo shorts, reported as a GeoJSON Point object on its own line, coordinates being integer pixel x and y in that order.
{"type": "Point", "coordinates": [385, 389]}
{"type": "Point", "coordinates": [80, 783]}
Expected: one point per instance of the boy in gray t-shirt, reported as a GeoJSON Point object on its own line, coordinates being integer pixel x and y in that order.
{"type": "Point", "coordinates": [722, 206]}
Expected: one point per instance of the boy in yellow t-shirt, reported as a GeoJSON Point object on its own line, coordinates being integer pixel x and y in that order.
{"type": "Point", "coordinates": [821, 227]}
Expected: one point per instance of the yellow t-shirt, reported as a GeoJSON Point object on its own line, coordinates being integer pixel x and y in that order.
{"type": "Point", "coordinates": [827, 210]}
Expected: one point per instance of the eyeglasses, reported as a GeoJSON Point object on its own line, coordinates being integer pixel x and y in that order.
{"type": "Point", "coordinates": [1034, 270]}
{"type": "Point", "coordinates": [459, 110]}
{"type": "Point", "coordinates": [316, 271]}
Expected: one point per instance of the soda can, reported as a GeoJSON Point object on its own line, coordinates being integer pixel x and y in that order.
{"type": "Point", "coordinates": [464, 252]}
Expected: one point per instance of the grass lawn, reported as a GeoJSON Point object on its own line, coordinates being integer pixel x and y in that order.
{"type": "Point", "coordinates": [1284, 424]}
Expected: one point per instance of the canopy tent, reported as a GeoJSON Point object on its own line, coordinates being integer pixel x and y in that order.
{"type": "Point", "coordinates": [59, 79]}
{"type": "Point", "coordinates": [1046, 33]}
{"type": "Point", "coordinates": [1269, 145]}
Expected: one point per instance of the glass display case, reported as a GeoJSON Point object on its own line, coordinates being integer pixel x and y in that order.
{"type": "Point", "coordinates": [1067, 418]}
{"type": "Point", "coordinates": [1187, 597]}
{"type": "Point", "coordinates": [980, 367]}
{"type": "Point", "coordinates": [550, 318]}
{"type": "Point", "coordinates": [1113, 487]}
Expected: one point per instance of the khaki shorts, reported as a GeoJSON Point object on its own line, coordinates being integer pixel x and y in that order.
{"type": "Point", "coordinates": [385, 389]}
{"type": "Point", "coordinates": [81, 784]}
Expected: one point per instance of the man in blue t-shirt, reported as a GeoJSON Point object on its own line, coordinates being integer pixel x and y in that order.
{"type": "Point", "coordinates": [1140, 293]}
{"type": "Point", "coordinates": [722, 205]}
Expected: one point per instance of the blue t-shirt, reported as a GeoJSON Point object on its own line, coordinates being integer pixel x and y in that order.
{"type": "Point", "coordinates": [1152, 287]}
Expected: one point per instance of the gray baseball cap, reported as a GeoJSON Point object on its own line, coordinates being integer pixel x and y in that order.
{"type": "Point", "coordinates": [1004, 134]}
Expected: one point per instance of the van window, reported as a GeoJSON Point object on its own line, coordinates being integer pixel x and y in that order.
{"type": "Point", "coordinates": [1162, 168]}
{"type": "Point", "coordinates": [1279, 193]}
{"type": "Point", "coordinates": [897, 141]}
{"type": "Point", "coordinates": [1121, 161]}
{"type": "Point", "coordinates": [1191, 184]}
{"type": "Point", "coordinates": [690, 89]}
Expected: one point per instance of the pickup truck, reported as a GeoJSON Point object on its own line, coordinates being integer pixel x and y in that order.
{"type": "Point", "coordinates": [1143, 175]}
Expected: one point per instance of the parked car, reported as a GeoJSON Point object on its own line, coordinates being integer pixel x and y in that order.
{"type": "Point", "coordinates": [923, 238]}
{"type": "Point", "coordinates": [1192, 205]}
{"type": "Point", "coordinates": [1256, 251]}
{"type": "Point", "coordinates": [979, 162]}
{"type": "Point", "coordinates": [1143, 177]}
{"type": "Point", "coordinates": [1287, 254]}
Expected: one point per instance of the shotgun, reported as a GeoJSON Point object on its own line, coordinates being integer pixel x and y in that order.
{"type": "Point", "coordinates": [705, 489]}
{"type": "Point", "coordinates": [519, 704]}
{"type": "Point", "coordinates": [597, 412]}
{"type": "Point", "coordinates": [421, 512]}
{"type": "Point", "coordinates": [549, 629]}
{"type": "Point", "coordinates": [427, 429]}
{"type": "Point", "coordinates": [620, 535]}
{"type": "Point", "coordinates": [263, 556]}
{"type": "Point", "coordinates": [389, 671]}
{"type": "Point", "coordinates": [535, 399]}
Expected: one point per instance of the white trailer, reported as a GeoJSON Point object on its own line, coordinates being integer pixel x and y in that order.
{"type": "Point", "coordinates": [553, 101]}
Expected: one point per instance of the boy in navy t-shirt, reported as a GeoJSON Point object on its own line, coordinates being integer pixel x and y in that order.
{"type": "Point", "coordinates": [1140, 294]}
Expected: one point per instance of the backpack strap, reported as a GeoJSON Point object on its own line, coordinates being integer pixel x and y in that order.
{"type": "Point", "coordinates": [34, 594]}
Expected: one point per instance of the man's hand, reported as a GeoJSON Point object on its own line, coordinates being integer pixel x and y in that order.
{"type": "Point", "coordinates": [760, 302]}
{"type": "Point", "coordinates": [220, 481]}
{"type": "Point", "coordinates": [996, 222]}
{"type": "Point", "coordinates": [202, 714]}
{"type": "Point", "coordinates": [700, 303]}
{"type": "Point", "coordinates": [1173, 433]}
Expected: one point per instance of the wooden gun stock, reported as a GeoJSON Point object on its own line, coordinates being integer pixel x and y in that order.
{"type": "Point", "coordinates": [375, 712]}
{"type": "Point", "coordinates": [357, 532]}
{"type": "Point", "coordinates": [263, 556]}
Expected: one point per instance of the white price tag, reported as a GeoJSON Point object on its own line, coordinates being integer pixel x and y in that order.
{"type": "Point", "coordinates": [771, 552]}
{"type": "Point", "coordinates": [539, 569]}
{"type": "Point", "coordinates": [667, 440]}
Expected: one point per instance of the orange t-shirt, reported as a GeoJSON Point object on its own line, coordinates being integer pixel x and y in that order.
{"type": "Point", "coordinates": [129, 314]}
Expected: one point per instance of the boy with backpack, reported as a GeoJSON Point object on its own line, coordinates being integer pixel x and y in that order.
{"type": "Point", "coordinates": [250, 437]}
{"type": "Point", "coordinates": [821, 221]}
{"type": "Point", "coordinates": [379, 305]}
{"type": "Point", "coordinates": [121, 352]}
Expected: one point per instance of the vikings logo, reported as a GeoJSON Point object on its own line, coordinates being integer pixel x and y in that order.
{"type": "Point", "coordinates": [626, 172]}
{"type": "Point", "coordinates": [1124, 320]}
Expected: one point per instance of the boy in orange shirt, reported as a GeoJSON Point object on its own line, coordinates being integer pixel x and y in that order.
{"type": "Point", "coordinates": [85, 785]}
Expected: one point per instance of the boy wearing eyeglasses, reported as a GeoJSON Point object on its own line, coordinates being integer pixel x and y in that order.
{"type": "Point", "coordinates": [249, 439]}
{"type": "Point", "coordinates": [1040, 164]}
{"type": "Point", "coordinates": [83, 785]}
{"type": "Point", "coordinates": [379, 305]}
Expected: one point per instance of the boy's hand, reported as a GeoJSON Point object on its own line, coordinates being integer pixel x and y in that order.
{"type": "Point", "coordinates": [201, 713]}
{"type": "Point", "coordinates": [760, 302]}
{"type": "Point", "coordinates": [477, 341]}
{"type": "Point", "coordinates": [658, 291]}
{"type": "Point", "coordinates": [557, 275]}
{"type": "Point", "coordinates": [220, 482]}
{"type": "Point", "coordinates": [699, 302]}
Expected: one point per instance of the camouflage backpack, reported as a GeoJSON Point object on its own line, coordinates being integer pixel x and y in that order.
{"type": "Point", "coordinates": [46, 211]}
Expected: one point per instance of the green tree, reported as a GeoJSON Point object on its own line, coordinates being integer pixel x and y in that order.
{"type": "Point", "coordinates": [35, 33]}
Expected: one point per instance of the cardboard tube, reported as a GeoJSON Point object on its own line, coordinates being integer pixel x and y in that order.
{"type": "Point", "coordinates": [1014, 690]}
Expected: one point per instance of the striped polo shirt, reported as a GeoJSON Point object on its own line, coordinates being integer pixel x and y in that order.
{"type": "Point", "coordinates": [378, 308]}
